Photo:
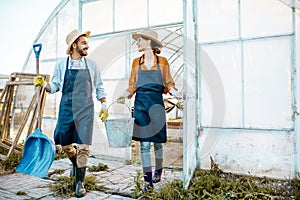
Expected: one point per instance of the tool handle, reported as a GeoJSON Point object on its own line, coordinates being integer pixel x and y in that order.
{"type": "Point", "coordinates": [37, 49]}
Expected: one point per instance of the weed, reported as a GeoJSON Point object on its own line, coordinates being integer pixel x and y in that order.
{"type": "Point", "coordinates": [215, 184]}
{"type": "Point", "coordinates": [131, 162]}
{"type": "Point", "coordinates": [10, 163]}
{"type": "Point", "coordinates": [21, 193]}
{"type": "Point", "coordinates": [65, 186]}
{"type": "Point", "coordinates": [57, 171]}
{"type": "Point", "coordinates": [100, 167]}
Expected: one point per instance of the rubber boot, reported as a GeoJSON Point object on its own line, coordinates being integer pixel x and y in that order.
{"type": "Point", "coordinates": [157, 175]}
{"type": "Point", "coordinates": [73, 170]}
{"type": "Point", "coordinates": [80, 174]}
{"type": "Point", "coordinates": [158, 170]}
{"type": "Point", "coordinates": [148, 178]}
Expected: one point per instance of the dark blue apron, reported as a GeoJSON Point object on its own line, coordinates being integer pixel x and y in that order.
{"type": "Point", "coordinates": [76, 110]}
{"type": "Point", "coordinates": [149, 109]}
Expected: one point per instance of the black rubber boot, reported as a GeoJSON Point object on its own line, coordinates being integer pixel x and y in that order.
{"type": "Point", "coordinates": [80, 174]}
{"type": "Point", "coordinates": [157, 175]}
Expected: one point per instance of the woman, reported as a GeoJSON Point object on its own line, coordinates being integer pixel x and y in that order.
{"type": "Point", "coordinates": [150, 78]}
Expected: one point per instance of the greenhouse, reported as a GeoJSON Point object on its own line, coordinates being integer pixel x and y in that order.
{"type": "Point", "coordinates": [235, 63]}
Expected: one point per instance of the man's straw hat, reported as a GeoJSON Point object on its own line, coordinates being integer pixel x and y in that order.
{"type": "Point", "coordinates": [71, 37]}
{"type": "Point", "coordinates": [149, 34]}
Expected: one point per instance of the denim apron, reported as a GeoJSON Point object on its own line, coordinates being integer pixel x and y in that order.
{"type": "Point", "coordinates": [76, 110]}
{"type": "Point", "coordinates": [149, 110]}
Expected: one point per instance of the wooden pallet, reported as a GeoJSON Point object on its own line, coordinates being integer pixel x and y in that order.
{"type": "Point", "coordinates": [7, 100]}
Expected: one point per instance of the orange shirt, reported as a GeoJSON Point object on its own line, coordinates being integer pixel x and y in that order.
{"type": "Point", "coordinates": [168, 81]}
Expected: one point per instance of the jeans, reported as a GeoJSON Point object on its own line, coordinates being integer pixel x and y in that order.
{"type": "Point", "coordinates": [146, 155]}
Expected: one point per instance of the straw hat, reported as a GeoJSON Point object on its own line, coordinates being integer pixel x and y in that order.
{"type": "Point", "coordinates": [71, 37]}
{"type": "Point", "coordinates": [149, 34]}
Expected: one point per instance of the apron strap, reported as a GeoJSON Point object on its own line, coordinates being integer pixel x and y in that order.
{"type": "Point", "coordinates": [85, 63]}
{"type": "Point", "coordinates": [67, 64]}
{"type": "Point", "coordinates": [157, 63]}
{"type": "Point", "coordinates": [140, 62]}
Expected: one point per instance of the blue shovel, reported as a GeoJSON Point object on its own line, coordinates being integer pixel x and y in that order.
{"type": "Point", "coordinates": [39, 150]}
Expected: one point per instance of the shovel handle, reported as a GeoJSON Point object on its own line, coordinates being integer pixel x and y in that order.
{"type": "Point", "coordinates": [37, 49]}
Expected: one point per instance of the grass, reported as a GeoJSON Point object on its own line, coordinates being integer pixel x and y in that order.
{"type": "Point", "coordinates": [65, 186]}
{"type": "Point", "coordinates": [9, 164]}
{"type": "Point", "coordinates": [57, 171]}
{"type": "Point", "coordinates": [215, 184]}
{"type": "Point", "coordinates": [100, 167]}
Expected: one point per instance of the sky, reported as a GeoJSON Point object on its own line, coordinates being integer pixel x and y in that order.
{"type": "Point", "coordinates": [21, 21]}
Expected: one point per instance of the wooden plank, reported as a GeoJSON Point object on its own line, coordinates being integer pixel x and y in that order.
{"type": "Point", "coordinates": [3, 93]}
{"type": "Point", "coordinates": [5, 110]}
{"type": "Point", "coordinates": [19, 83]}
{"type": "Point", "coordinates": [5, 146]}
{"type": "Point", "coordinates": [22, 126]}
{"type": "Point", "coordinates": [7, 117]}
{"type": "Point", "coordinates": [26, 75]}
{"type": "Point", "coordinates": [18, 79]}
{"type": "Point", "coordinates": [9, 143]}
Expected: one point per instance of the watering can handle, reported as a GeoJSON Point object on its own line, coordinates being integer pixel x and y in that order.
{"type": "Point", "coordinates": [37, 49]}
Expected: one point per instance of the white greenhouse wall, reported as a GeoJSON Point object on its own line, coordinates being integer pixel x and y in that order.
{"type": "Point", "coordinates": [259, 153]}
{"type": "Point", "coordinates": [254, 58]}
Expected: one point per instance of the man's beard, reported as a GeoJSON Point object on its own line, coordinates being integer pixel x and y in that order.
{"type": "Point", "coordinates": [81, 52]}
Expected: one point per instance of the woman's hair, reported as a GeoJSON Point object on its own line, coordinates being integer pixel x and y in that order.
{"type": "Point", "coordinates": [154, 46]}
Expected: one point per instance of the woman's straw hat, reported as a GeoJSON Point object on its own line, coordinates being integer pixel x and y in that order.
{"type": "Point", "coordinates": [71, 37]}
{"type": "Point", "coordinates": [149, 34]}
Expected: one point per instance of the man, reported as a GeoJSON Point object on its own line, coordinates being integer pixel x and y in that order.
{"type": "Point", "coordinates": [77, 77]}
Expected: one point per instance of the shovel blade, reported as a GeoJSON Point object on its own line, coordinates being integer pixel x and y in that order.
{"type": "Point", "coordinates": [38, 155]}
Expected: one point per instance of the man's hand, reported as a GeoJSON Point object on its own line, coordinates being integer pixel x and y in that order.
{"type": "Point", "coordinates": [103, 114]}
{"type": "Point", "coordinates": [38, 81]}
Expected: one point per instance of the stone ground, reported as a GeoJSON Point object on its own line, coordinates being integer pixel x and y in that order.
{"type": "Point", "coordinates": [118, 179]}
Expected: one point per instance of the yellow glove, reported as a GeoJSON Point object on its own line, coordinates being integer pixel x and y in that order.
{"type": "Point", "coordinates": [39, 81]}
{"type": "Point", "coordinates": [103, 114]}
